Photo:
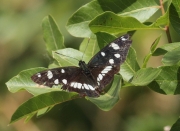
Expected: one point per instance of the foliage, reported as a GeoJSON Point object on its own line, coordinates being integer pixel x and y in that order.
{"type": "Point", "coordinates": [102, 21]}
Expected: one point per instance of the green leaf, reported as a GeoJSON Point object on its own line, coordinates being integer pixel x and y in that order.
{"type": "Point", "coordinates": [176, 126]}
{"type": "Point", "coordinates": [130, 66]}
{"type": "Point", "coordinates": [29, 117]}
{"type": "Point", "coordinates": [42, 101]}
{"type": "Point", "coordinates": [174, 18]}
{"type": "Point", "coordinates": [52, 36]}
{"type": "Point", "coordinates": [107, 101]}
{"type": "Point", "coordinates": [78, 23]}
{"type": "Point", "coordinates": [145, 76]}
{"type": "Point", "coordinates": [172, 57]}
{"type": "Point", "coordinates": [137, 9]}
{"type": "Point", "coordinates": [89, 47]}
{"type": "Point", "coordinates": [43, 111]}
{"type": "Point", "coordinates": [67, 56]}
{"type": "Point", "coordinates": [154, 45]}
{"type": "Point", "coordinates": [112, 23]}
{"type": "Point", "coordinates": [163, 20]}
{"type": "Point", "coordinates": [104, 38]}
{"type": "Point", "coordinates": [168, 81]}
{"type": "Point", "coordinates": [54, 64]}
{"type": "Point", "coordinates": [166, 48]}
{"type": "Point", "coordinates": [177, 5]}
{"type": "Point", "coordinates": [23, 81]}
{"type": "Point", "coordinates": [152, 49]}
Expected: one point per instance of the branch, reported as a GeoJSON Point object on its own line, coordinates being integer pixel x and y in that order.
{"type": "Point", "coordinates": [167, 26]}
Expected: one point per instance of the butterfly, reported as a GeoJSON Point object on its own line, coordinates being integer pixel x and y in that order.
{"type": "Point", "coordinates": [89, 79]}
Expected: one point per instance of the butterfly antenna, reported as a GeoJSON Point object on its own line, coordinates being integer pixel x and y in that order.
{"type": "Point", "coordinates": [85, 48]}
{"type": "Point", "coordinates": [66, 56]}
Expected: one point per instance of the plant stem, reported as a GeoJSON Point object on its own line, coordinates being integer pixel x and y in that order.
{"type": "Point", "coordinates": [168, 34]}
{"type": "Point", "coordinates": [167, 26]}
{"type": "Point", "coordinates": [162, 7]}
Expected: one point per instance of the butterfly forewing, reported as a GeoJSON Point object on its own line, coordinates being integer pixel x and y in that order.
{"type": "Point", "coordinates": [104, 76]}
{"type": "Point", "coordinates": [89, 79]}
{"type": "Point", "coordinates": [71, 78]}
{"type": "Point", "coordinates": [107, 62]}
{"type": "Point", "coordinates": [113, 54]}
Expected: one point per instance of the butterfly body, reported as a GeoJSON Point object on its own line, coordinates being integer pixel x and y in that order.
{"type": "Point", "coordinates": [89, 79]}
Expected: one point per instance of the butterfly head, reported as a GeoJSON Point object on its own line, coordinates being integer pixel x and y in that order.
{"type": "Point", "coordinates": [84, 67]}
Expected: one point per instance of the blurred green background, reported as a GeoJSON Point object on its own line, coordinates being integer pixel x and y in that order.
{"type": "Point", "coordinates": [22, 47]}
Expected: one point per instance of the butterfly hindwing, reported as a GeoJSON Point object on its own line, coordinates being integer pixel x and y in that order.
{"type": "Point", "coordinates": [84, 84]}
{"type": "Point", "coordinates": [104, 76]}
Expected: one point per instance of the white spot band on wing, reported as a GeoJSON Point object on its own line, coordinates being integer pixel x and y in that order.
{"type": "Point", "coordinates": [117, 55]}
{"type": "Point", "coordinates": [62, 71]}
{"type": "Point", "coordinates": [64, 81]}
{"type": "Point", "coordinates": [111, 61]}
{"type": "Point", "coordinates": [56, 81]}
{"type": "Point", "coordinates": [115, 46]}
{"type": "Point", "coordinates": [49, 75]}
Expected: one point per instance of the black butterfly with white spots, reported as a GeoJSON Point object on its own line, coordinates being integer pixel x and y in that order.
{"type": "Point", "coordinates": [88, 79]}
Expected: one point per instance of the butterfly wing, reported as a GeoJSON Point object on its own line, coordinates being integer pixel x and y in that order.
{"type": "Point", "coordinates": [54, 76]}
{"type": "Point", "coordinates": [71, 78]}
{"type": "Point", "coordinates": [84, 84]}
{"type": "Point", "coordinates": [107, 61]}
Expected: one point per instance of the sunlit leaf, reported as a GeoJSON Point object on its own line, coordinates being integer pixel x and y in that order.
{"type": "Point", "coordinates": [144, 76]}
{"type": "Point", "coordinates": [112, 23]}
{"type": "Point", "coordinates": [89, 47]}
{"type": "Point", "coordinates": [139, 9]}
{"type": "Point", "coordinates": [52, 36]}
{"type": "Point", "coordinates": [68, 57]}
{"type": "Point", "coordinates": [78, 24]}
{"type": "Point", "coordinates": [79, 21]}
{"type": "Point", "coordinates": [163, 20]}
